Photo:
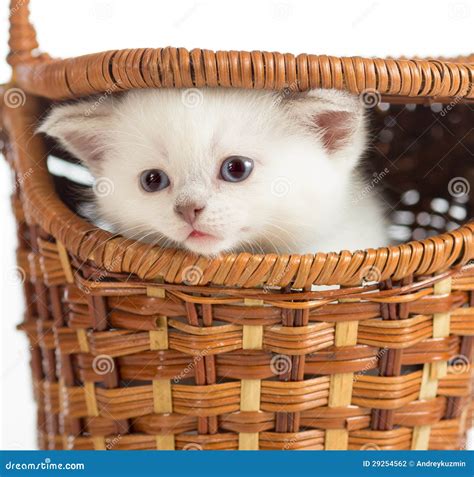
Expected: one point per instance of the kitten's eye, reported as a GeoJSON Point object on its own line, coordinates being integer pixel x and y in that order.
{"type": "Point", "coordinates": [154, 180]}
{"type": "Point", "coordinates": [236, 168]}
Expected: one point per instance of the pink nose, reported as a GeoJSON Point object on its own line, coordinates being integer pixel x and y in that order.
{"type": "Point", "coordinates": [188, 212]}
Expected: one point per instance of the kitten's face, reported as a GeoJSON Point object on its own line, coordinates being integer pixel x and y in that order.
{"type": "Point", "coordinates": [235, 172]}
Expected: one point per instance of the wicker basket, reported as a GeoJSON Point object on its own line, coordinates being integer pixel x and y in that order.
{"type": "Point", "coordinates": [137, 347]}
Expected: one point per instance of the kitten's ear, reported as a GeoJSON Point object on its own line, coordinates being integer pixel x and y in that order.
{"type": "Point", "coordinates": [81, 129]}
{"type": "Point", "coordinates": [337, 118]}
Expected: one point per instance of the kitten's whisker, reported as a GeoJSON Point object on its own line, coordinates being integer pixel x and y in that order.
{"type": "Point", "coordinates": [301, 223]}
{"type": "Point", "coordinates": [291, 236]}
{"type": "Point", "coordinates": [269, 239]}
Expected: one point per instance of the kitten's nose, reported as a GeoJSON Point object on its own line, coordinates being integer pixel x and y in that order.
{"type": "Point", "coordinates": [189, 212]}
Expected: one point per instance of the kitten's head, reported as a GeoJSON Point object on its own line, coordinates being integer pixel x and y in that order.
{"type": "Point", "coordinates": [216, 170]}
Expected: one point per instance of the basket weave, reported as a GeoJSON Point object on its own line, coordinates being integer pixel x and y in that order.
{"type": "Point", "coordinates": [137, 347]}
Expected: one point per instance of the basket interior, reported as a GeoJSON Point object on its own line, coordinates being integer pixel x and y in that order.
{"type": "Point", "coordinates": [420, 160]}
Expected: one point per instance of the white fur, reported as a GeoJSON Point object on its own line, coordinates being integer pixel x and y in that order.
{"type": "Point", "coordinates": [300, 197]}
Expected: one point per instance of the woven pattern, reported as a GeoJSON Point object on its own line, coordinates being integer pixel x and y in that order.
{"type": "Point", "coordinates": [159, 368]}
{"type": "Point", "coordinates": [136, 347]}
{"type": "Point", "coordinates": [172, 67]}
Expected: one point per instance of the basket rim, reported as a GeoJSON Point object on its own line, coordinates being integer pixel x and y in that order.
{"type": "Point", "coordinates": [116, 254]}
{"type": "Point", "coordinates": [394, 80]}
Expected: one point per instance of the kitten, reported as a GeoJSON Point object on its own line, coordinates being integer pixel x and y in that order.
{"type": "Point", "coordinates": [217, 170]}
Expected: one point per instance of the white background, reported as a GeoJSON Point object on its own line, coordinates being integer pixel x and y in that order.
{"type": "Point", "coordinates": [75, 27]}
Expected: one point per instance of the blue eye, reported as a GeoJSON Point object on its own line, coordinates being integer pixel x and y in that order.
{"type": "Point", "coordinates": [236, 168]}
{"type": "Point", "coordinates": [154, 180]}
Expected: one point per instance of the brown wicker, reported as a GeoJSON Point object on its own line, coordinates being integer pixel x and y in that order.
{"type": "Point", "coordinates": [137, 347]}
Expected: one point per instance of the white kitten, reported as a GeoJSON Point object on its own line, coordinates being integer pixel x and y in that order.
{"type": "Point", "coordinates": [235, 170]}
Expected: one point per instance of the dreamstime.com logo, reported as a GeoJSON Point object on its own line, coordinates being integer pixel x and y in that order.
{"type": "Point", "coordinates": [103, 275]}
{"type": "Point", "coordinates": [190, 367]}
{"type": "Point", "coordinates": [370, 274]}
{"type": "Point", "coordinates": [285, 93]}
{"type": "Point", "coordinates": [191, 275]}
{"type": "Point", "coordinates": [280, 364]}
{"type": "Point", "coordinates": [280, 187]}
{"type": "Point", "coordinates": [22, 178]}
{"type": "Point", "coordinates": [192, 98]}
{"type": "Point", "coordinates": [459, 187]}
{"type": "Point", "coordinates": [102, 98]}
{"type": "Point", "coordinates": [377, 178]}
{"type": "Point", "coordinates": [370, 98]}
{"type": "Point", "coordinates": [16, 276]}
{"type": "Point", "coordinates": [44, 465]}
{"type": "Point", "coordinates": [103, 364]}
{"type": "Point", "coordinates": [460, 364]}
{"type": "Point", "coordinates": [14, 98]}
{"type": "Point", "coordinates": [18, 4]}
{"type": "Point", "coordinates": [103, 187]}
{"type": "Point", "coordinates": [370, 365]}
{"type": "Point", "coordinates": [111, 442]}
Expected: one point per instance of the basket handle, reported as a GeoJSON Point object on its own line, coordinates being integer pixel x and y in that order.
{"type": "Point", "coordinates": [22, 41]}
